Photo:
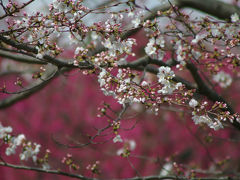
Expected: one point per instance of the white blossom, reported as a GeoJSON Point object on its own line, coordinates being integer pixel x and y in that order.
{"type": "Point", "coordinates": [19, 139]}
{"type": "Point", "coordinates": [15, 142]}
{"type": "Point", "coordinates": [77, 15]}
{"type": "Point", "coordinates": [61, 6]}
{"type": "Point", "coordinates": [166, 169]}
{"type": "Point", "coordinates": [78, 49]}
{"type": "Point", "coordinates": [144, 83]}
{"type": "Point", "coordinates": [201, 119]}
{"type": "Point", "coordinates": [4, 131]}
{"type": "Point", "coordinates": [94, 35]}
{"type": "Point", "coordinates": [234, 17]}
{"type": "Point", "coordinates": [119, 46]}
{"type": "Point", "coordinates": [216, 124]}
{"type": "Point", "coordinates": [30, 151]}
{"type": "Point", "coordinates": [160, 41]}
{"type": "Point", "coordinates": [10, 150]}
{"type": "Point", "coordinates": [76, 63]}
{"type": "Point", "coordinates": [165, 74]}
{"type": "Point", "coordinates": [136, 22]}
{"type": "Point", "coordinates": [45, 166]}
{"type": "Point", "coordinates": [223, 79]}
{"type": "Point", "coordinates": [169, 87]}
{"type": "Point", "coordinates": [117, 139]}
{"type": "Point", "coordinates": [40, 53]}
{"type": "Point", "coordinates": [101, 80]}
{"type": "Point", "coordinates": [181, 54]}
{"type": "Point", "coordinates": [107, 43]}
{"type": "Point", "coordinates": [150, 49]}
{"type": "Point", "coordinates": [198, 38]}
{"type": "Point", "coordinates": [131, 14]}
{"type": "Point", "coordinates": [120, 151]}
{"type": "Point", "coordinates": [193, 103]}
{"type": "Point", "coordinates": [132, 144]}
{"type": "Point", "coordinates": [108, 93]}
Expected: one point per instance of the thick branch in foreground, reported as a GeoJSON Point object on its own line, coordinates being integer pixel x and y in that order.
{"type": "Point", "coordinates": [29, 49]}
{"type": "Point", "coordinates": [20, 58]}
{"type": "Point", "coordinates": [56, 172]}
{"type": "Point", "coordinates": [215, 8]}
{"type": "Point", "coordinates": [208, 92]}
{"type": "Point", "coordinates": [77, 176]}
{"type": "Point", "coordinates": [50, 74]}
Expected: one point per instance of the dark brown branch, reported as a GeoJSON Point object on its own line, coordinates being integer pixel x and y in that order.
{"type": "Point", "coordinates": [21, 58]}
{"type": "Point", "coordinates": [57, 172]}
{"type": "Point", "coordinates": [180, 178]}
{"type": "Point", "coordinates": [20, 46]}
{"type": "Point", "coordinates": [215, 8]}
{"type": "Point", "coordinates": [35, 87]}
{"type": "Point", "coordinates": [144, 63]}
{"type": "Point", "coordinates": [76, 176]}
{"type": "Point", "coordinates": [208, 92]}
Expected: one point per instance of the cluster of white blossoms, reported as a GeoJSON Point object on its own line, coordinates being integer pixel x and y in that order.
{"type": "Point", "coordinates": [136, 18]}
{"type": "Point", "coordinates": [14, 143]}
{"type": "Point", "coordinates": [101, 78]}
{"type": "Point", "coordinates": [223, 79]}
{"type": "Point", "coordinates": [199, 37]}
{"type": "Point", "coordinates": [214, 124]}
{"type": "Point", "coordinates": [4, 131]}
{"type": "Point", "coordinates": [103, 82]}
{"type": "Point", "coordinates": [165, 76]}
{"type": "Point", "coordinates": [61, 6]}
{"type": "Point", "coordinates": [181, 52]}
{"type": "Point", "coordinates": [118, 46]}
{"type": "Point", "coordinates": [153, 44]}
{"type": "Point", "coordinates": [29, 149]}
{"type": "Point", "coordinates": [150, 49]}
{"type": "Point", "coordinates": [124, 90]}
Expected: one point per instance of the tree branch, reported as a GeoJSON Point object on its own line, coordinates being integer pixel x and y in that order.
{"type": "Point", "coordinates": [21, 58]}
{"type": "Point", "coordinates": [213, 7]}
{"type": "Point", "coordinates": [208, 92]}
{"type": "Point", "coordinates": [76, 176]}
{"type": "Point", "coordinates": [32, 88]}
{"type": "Point", "coordinates": [57, 172]}
{"type": "Point", "coordinates": [52, 60]}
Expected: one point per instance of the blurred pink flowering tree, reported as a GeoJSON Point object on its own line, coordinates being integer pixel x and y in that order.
{"type": "Point", "coordinates": [129, 89]}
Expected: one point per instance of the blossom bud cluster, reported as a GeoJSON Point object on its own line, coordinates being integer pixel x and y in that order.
{"type": "Point", "coordinates": [213, 116]}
